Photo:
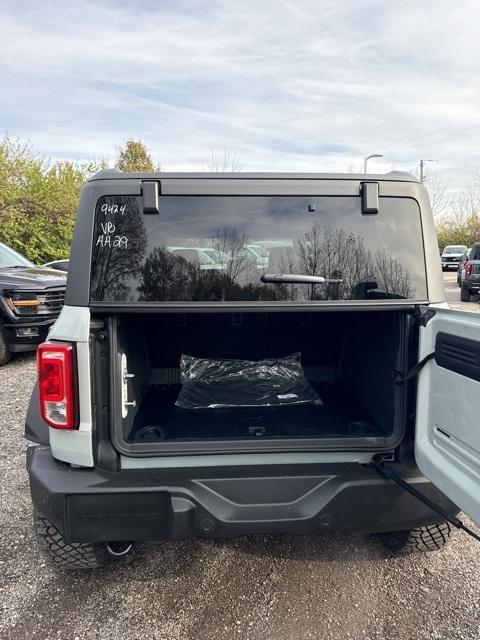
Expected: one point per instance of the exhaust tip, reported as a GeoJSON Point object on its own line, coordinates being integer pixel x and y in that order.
{"type": "Point", "coordinates": [119, 549]}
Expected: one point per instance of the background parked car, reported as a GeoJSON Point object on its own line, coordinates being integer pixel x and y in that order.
{"type": "Point", "coordinates": [31, 298]}
{"type": "Point", "coordinates": [257, 253]}
{"type": "Point", "coordinates": [461, 267]}
{"type": "Point", "coordinates": [205, 258]}
{"type": "Point", "coordinates": [60, 265]}
{"type": "Point", "coordinates": [471, 279]}
{"type": "Point", "coordinates": [452, 255]}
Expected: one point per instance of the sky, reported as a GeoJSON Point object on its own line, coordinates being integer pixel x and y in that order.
{"type": "Point", "coordinates": [286, 85]}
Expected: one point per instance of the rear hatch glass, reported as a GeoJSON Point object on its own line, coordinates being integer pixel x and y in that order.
{"type": "Point", "coordinates": [223, 248]}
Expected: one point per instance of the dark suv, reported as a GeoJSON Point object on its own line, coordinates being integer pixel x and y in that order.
{"type": "Point", "coordinates": [324, 388]}
{"type": "Point", "coordinates": [31, 298]}
{"type": "Point", "coordinates": [470, 284]}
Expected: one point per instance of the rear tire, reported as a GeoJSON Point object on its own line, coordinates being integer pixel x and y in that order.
{"type": "Point", "coordinates": [5, 353]}
{"type": "Point", "coordinates": [429, 538]}
{"type": "Point", "coordinates": [464, 294]}
{"type": "Point", "coordinates": [74, 556]}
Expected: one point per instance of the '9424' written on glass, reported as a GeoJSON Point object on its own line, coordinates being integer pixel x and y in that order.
{"type": "Point", "coordinates": [113, 208]}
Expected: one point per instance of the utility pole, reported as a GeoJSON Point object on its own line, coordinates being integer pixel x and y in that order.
{"type": "Point", "coordinates": [422, 169]}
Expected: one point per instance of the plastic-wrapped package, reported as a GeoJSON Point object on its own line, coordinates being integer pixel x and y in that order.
{"type": "Point", "coordinates": [214, 383]}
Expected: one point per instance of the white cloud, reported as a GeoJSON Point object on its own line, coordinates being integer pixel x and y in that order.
{"type": "Point", "coordinates": [290, 85]}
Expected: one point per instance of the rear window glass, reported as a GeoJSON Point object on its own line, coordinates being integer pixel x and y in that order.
{"type": "Point", "coordinates": [217, 248]}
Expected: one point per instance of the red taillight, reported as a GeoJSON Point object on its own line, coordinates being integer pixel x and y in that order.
{"type": "Point", "coordinates": [468, 268]}
{"type": "Point", "coordinates": [56, 385]}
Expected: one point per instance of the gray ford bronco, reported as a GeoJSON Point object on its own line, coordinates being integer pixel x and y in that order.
{"type": "Point", "coordinates": [316, 384]}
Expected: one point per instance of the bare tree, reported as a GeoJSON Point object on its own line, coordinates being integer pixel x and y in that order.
{"type": "Point", "coordinates": [354, 168]}
{"type": "Point", "coordinates": [229, 243]}
{"type": "Point", "coordinates": [391, 276]}
{"type": "Point", "coordinates": [219, 161]}
{"type": "Point", "coordinates": [462, 224]}
{"type": "Point", "coordinates": [437, 189]}
{"type": "Point", "coordinates": [331, 253]}
{"type": "Point", "coordinates": [466, 204]}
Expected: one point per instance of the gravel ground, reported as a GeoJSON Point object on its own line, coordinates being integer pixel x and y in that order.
{"type": "Point", "coordinates": [452, 294]}
{"type": "Point", "coordinates": [268, 587]}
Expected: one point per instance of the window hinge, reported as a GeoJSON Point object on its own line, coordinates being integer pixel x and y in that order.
{"type": "Point", "coordinates": [150, 191]}
{"type": "Point", "coordinates": [423, 315]}
{"type": "Point", "coordinates": [370, 201]}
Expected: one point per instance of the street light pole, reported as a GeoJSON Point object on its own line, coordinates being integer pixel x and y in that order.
{"type": "Point", "coordinates": [367, 158]}
{"type": "Point", "coordinates": [422, 169]}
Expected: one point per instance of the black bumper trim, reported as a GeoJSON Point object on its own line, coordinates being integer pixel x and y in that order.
{"type": "Point", "coordinates": [90, 505]}
{"type": "Point", "coordinates": [26, 343]}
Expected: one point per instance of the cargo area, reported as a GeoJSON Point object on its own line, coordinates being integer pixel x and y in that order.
{"type": "Point", "coordinates": [348, 360]}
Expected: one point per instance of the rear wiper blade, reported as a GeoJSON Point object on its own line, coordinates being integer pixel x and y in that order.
{"type": "Point", "coordinates": [294, 278]}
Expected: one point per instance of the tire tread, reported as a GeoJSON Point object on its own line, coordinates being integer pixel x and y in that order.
{"type": "Point", "coordinates": [428, 538]}
{"type": "Point", "coordinates": [5, 353]}
{"type": "Point", "coordinates": [77, 555]}
{"type": "Point", "coordinates": [464, 293]}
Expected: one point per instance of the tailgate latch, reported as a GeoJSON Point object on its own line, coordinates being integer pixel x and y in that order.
{"type": "Point", "coordinates": [126, 376]}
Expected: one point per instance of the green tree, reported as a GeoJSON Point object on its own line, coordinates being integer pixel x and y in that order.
{"type": "Point", "coordinates": [134, 156]}
{"type": "Point", "coordinates": [38, 201]}
{"type": "Point", "coordinates": [39, 198]}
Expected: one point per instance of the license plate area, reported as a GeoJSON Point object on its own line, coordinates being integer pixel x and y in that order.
{"type": "Point", "coordinates": [123, 516]}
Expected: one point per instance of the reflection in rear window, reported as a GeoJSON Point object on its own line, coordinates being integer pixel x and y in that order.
{"type": "Point", "coordinates": [216, 248]}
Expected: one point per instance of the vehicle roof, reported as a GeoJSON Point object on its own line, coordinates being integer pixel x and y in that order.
{"type": "Point", "coordinates": [115, 174]}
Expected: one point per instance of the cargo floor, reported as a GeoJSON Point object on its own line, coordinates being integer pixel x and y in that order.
{"type": "Point", "coordinates": [340, 416]}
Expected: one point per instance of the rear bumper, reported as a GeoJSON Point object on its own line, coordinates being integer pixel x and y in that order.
{"type": "Point", "coordinates": [472, 285]}
{"type": "Point", "coordinates": [90, 505]}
